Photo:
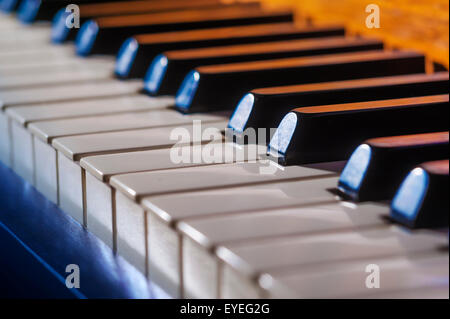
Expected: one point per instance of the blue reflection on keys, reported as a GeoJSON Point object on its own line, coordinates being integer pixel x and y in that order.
{"type": "Point", "coordinates": [355, 169]}
{"type": "Point", "coordinates": [126, 56]}
{"type": "Point", "coordinates": [8, 5]}
{"type": "Point", "coordinates": [187, 90]}
{"type": "Point", "coordinates": [408, 200]}
{"type": "Point", "coordinates": [283, 135]}
{"type": "Point", "coordinates": [86, 38]}
{"type": "Point", "coordinates": [242, 113]}
{"type": "Point", "coordinates": [155, 74]}
{"type": "Point", "coordinates": [59, 29]}
{"type": "Point", "coordinates": [28, 10]}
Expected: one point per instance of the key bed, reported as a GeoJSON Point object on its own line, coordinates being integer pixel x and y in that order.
{"type": "Point", "coordinates": [214, 217]}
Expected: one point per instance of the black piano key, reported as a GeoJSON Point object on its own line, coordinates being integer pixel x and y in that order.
{"type": "Point", "coordinates": [438, 67]}
{"type": "Point", "coordinates": [60, 33]}
{"type": "Point", "coordinates": [377, 167]}
{"type": "Point", "coordinates": [331, 132]}
{"type": "Point", "coordinates": [422, 199]}
{"type": "Point", "coordinates": [264, 108]}
{"type": "Point", "coordinates": [218, 87]}
{"type": "Point", "coordinates": [9, 6]}
{"type": "Point", "coordinates": [137, 53]}
{"type": "Point", "coordinates": [105, 35]}
{"type": "Point", "coordinates": [37, 10]}
{"type": "Point", "coordinates": [166, 80]}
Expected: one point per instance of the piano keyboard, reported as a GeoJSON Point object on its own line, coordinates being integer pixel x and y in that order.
{"type": "Point", "coordinates": [351, 171]}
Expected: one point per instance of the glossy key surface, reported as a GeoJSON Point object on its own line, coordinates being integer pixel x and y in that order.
{"type": "Point", "coordinates": [214, 87]}
{"type": "Point", "coordinates": [331, 132]}
{"type": "Point", "coordinates": [377, 167]}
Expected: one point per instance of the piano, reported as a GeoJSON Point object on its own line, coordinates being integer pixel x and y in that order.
{"type": "Point", "coordinates": [209, 149]}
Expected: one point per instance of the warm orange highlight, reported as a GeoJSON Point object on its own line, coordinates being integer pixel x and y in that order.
{"type": "Point", "coordinates": [413, 24]}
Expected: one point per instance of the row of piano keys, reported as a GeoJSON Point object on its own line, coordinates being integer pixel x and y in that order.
{"type": "Point", "coordinates": [263, 221]}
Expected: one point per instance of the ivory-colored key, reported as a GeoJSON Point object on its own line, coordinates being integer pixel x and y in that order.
{"type": "Point", "coordinates": [100, 211]}
{"type": "Point", "coordinates": [435, 292]}
{"type": "Point", "coordinates": [68, 92]}
{"type": "Point", "coordinates": [23, 36]}
{"type": "Point", "coordinates": [31, 68]}
{"type": "Point", "coordinates": [139, 185]}
{"type": "Point", "coordinates": [74, 109]}
{"type": "Point", "coordinates": [5, 142]}
{"type": "Point", "coordinates": [83, 73]}
{"type": "Point", "coordinates": [23, 115]}
{"type": "Point", "coordinates": [163, 211]}
{"type": "Point", "coordinates": [353, 279]}
{"type": "Point", "coordinates": [70, 183]}
{"type": "Point", "coordinates": [78, 91]}
{"type": "Point", "coordinates": [201, 236]}
{"type": "Point", "coordinates": [14, 134]}
{"type": "Point", "coordinates": [7, 22]}
{"type": "Point", "coordinates": [245, 261]}
{"type": "Point", "coordinates": [40, 54]}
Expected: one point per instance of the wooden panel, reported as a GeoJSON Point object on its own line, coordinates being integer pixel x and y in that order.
{"type": "Point", "coordinates": [418, 24]}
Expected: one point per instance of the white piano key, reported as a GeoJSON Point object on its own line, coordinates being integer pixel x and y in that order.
{"type": "Point", "coordinates": [99, 169]}
{"type": "Point", "coordinates": [103, 167]}
{"type": "Point", "coordinates": [100, 219]}
{"type": "Point", "coordinates": [256, 258]}
{"type": "Point", "coordinates": [46, 174]}
{"type": "Point", "coordinates": [20, 36]}
{"type": "Point", "coordinates": [68, 92]}
{"type": "Point", "coordinates": [45, 156]}
{"type": "Point", "coordinates": [10, 21]}
{"type": "Point", "coordinates": [72, 179]}
{"type": "Point", "coordinates": [7, 21]}
{"type": "Point", "coordinates": [164, 211]}
{"type": "Point", "coordinates": [5, 141]}
{"type": "Point", "coordinates": [39, 54]}
{"type": "Point", "coordinates": [172, 207]}
{"type": "Point", "coordinates": [101, 106]}
{"type": "Point", "coordinates": [86, 73]}
{"type": "Point", "coordinates": [133, 246]}
{"type": "Point", "coordinates": [348, 279]}
{"type": "Point", "coordinates": [435, 292]}
{"type": "Point", "coordinates": [71, 175]}
{"type": "Point", "coordinates": [31, 67]}
{"type": "Point", "coordinates": [104, 143]}
{"type": "Point", "coordinates": [341, 215]}
{"type": "Point", "coordinates": [201, 236]}
{"type": "Point", "coordinates": [48, 130]}
{"type": "Point", "coordinates": [79, 146]}
{"type": "Point", "coordinates": [22, 152]}
{"type": "Point", "coordinates": [138, 185]}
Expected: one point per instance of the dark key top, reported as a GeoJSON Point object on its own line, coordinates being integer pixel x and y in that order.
{"type": "Point", "coordinates": [377, 167]}
{"type": "Point", "coordinates": [105, 35]}
{"type": "Point", "coordinates": [422, 199]}
{"type": "Point", "coordinates": [264, 108]}
{"type": "Point", "coordinates": [331, 132]}
{"type": "Point", "coordinates": [166, 80]}
{"type": "Point", "coordinates": [137, 52]}
{"type": "Point", "coordinates": [219, 87]}
{"type": "Point", "coordinates": [61, 33]}
{"type": "Point", "coordinates": [8, 6]}
{"type": "Point", "coordinates": [37, 10]}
